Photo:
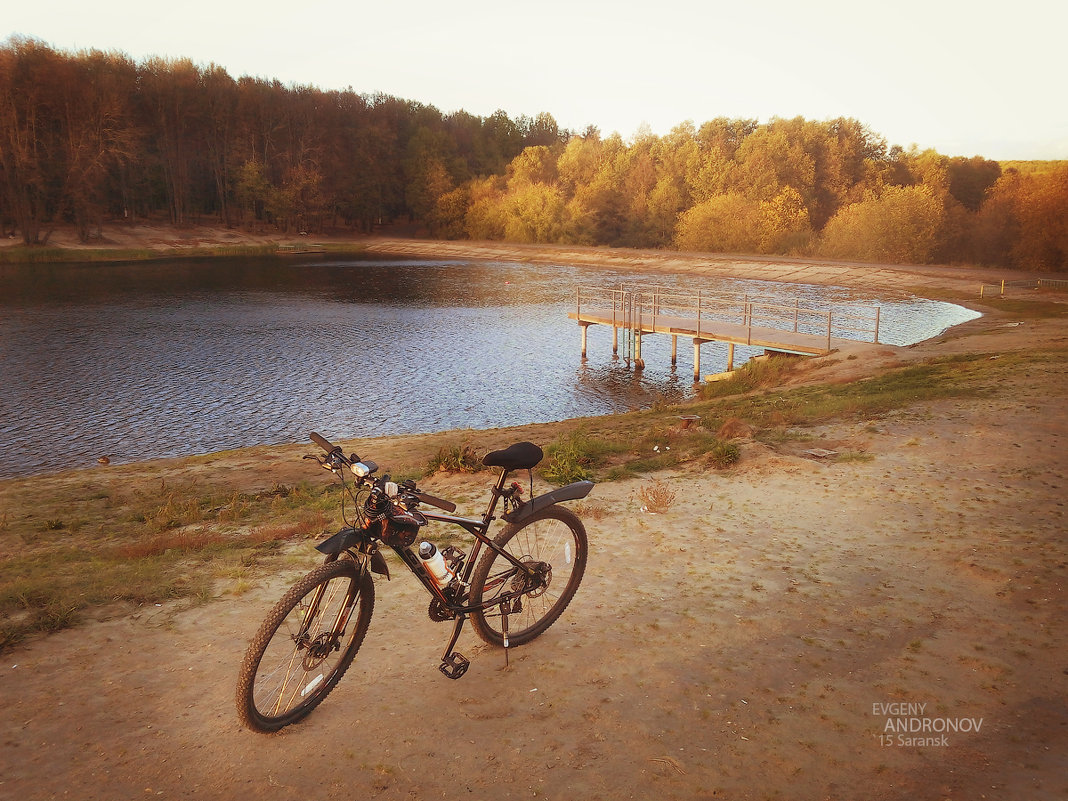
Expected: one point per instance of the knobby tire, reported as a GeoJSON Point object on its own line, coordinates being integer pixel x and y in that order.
{"type": "Point", "coordinates": [554, 536]}
{"type": "Point", "coordinates": [282, 679]}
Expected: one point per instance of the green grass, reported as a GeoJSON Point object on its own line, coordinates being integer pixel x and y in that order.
{"type": "Point", "coordinates": [456, 458]}
{"type": "Point", "coordinates": [623, 446]}
{"type": "Point", "coordinates": [1028, 309]}
{"type": "Point", "coordinates": [44, 254]}
{"type": "Point", "coordinates": [47, 254]}
{"type": "Point", "coordinates": [751, 375]}
{"type": "Point", "coordinates": [575, 456]}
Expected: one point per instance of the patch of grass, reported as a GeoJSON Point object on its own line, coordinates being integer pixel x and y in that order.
{"type": "Point", "coordinates": [44, 592]}
{"type": "Point", "coordinates": [457, 458]}
{"type": "Point", "coordinates": [43, 254]}
{"type": "Point", "coordinates": [91, 544]}
{"type": "Point", "coordinates": [572, 459]}
{"type": "Point", "coordinates": [853, 456]}
{"type": "Point", "coordinates": [754, 374]}
{"type": "Point", "coordinates": [1028, 309]}
{"type": "Point", "coordinates": [724, 454]}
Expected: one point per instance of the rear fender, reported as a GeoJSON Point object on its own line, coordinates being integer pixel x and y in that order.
{"type": "Point", "coordinates": [570, 492]}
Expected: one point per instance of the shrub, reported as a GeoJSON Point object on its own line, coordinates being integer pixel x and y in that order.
{"type": "Point", "coordinates": [455, 459]}
{"type": "Point", "coordinates": [566, 462]}
{"type": "Point", "coordinates": [724, 454]}
{"type": "Point", "coordinates": [574, 457]}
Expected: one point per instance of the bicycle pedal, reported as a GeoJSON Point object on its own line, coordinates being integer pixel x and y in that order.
{"type": "Point", "coordinates": [454, 666]}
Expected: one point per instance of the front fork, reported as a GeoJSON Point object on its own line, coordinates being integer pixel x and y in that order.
{"type": "Point", "coordinates": [362, 560]}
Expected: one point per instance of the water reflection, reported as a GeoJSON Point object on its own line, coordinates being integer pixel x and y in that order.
{"type": "Point", "coordinates": [171, 358]}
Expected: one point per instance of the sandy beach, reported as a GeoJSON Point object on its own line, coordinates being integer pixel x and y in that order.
{"type": "Point", "coordinates": [885, 627]}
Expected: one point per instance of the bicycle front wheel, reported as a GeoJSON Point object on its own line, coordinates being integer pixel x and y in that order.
{"type": "Point", "coordinates": [305, 645]}
{"type": "Point", "coordinates": [552, 545]}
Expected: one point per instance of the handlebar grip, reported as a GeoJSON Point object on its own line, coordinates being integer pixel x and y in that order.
{"type": "Point", "coordinates": [324, 443]}
{"type": "Point", "coordinates": [448, 506]}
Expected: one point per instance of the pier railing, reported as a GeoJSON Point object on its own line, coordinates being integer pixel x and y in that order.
{"type": "Point", "coordinates": [642, 308]}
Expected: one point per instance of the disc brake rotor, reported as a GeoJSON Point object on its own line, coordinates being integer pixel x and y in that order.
{"type": "Point", "coordinates": [318, 650]}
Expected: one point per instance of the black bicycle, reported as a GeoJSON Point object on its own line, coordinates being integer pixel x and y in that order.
{"type": "Point", "coordinates": [526, 577]}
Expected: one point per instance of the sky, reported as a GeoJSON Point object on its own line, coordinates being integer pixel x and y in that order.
{"type": "Point", "coordinates": [974, 78]}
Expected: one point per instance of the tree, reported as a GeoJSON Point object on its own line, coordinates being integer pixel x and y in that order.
{"type": "Point", "coordinates": [449, 218]}
{"type": "Point", "coordinates": [31, 141]}
{"type": "Point", "coordinates": [221, 120]}
{"type": "Point", "coordinates": [99, 132]}
{"type": "Point", "coordinates": [1042, 210]}
{"type": "Point", "coordinates": [969, 179]}
{"type": "Point", "coordinates": [902, 225]}
{"type": "Point", "coordinates": [722, 224]}
{"type": "Point", "coordinates": [784, 223]}
{"type": "Point", "coordinates": [485, 218]}
{"type": "Point", "coordinates": [252, 190]}
{"type": "Point", "coordinates": [534, 165]}
{"type": "Point", "coordinates": [174, 104]}
{"type": "Point", "coordinates": [768, 160]}
{"type": "Point", "coordinates": [534, 212]}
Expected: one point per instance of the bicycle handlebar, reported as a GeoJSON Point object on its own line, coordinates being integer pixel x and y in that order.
{"type": "Point", "coordinates": [324, 443]}
{"type": "Point", "coordinates": [331, 449]}
{"type": "Point", "coordinates": [448, 506]}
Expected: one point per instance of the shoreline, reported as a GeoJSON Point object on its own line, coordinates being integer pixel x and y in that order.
{"type": "Point", "coordinates": [153, 242]}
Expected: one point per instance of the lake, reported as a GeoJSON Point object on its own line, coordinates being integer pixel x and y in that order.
{"type": "Point", "coordinates": [171, 358]}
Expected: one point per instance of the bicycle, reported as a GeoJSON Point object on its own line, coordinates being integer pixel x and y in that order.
{"type": "Point", "coordinates": [525, 579]}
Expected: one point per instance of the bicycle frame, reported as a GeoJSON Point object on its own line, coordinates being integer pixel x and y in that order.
{"type": "Point", "coordinates": [454, 665]}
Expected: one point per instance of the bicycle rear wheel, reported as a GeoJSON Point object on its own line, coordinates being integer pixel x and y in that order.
{"type": "Point", "coordinates": [552, 543]}
{"type": "Point", "coordinates": [305, 645]}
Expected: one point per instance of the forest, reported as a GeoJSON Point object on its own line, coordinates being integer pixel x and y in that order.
{"type": "Point", "coordinates": [94, 137]}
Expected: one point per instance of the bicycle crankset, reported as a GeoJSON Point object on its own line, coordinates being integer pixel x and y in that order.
{"type": "Point", "coordinates": [438, 612]}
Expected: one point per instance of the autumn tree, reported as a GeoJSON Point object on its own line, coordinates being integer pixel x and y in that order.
{"type": "Point", "coordinates": [1024, 221]}
{"type": "Point", "coordinates": [724, 223]}
{"type": "Point", "coordinates": [32, 147]}
{"type": "Point", "coordinates": [900, 225]}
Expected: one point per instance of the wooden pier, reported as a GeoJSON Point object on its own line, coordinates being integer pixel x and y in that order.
{"type": "Point", "coordinates": [736, 320]}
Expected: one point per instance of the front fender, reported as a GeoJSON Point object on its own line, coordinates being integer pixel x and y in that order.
{"type": "Point", "coordinates": [348, 538]}
{"type": "Point", "coordinates": [569, 492]}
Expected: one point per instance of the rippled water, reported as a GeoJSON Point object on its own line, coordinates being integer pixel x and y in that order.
{"type": "Point", "coordinates": [175, 358]}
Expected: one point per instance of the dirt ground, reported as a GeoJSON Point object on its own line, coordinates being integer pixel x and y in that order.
{"type": "Point", "coordinates": [892, 627]}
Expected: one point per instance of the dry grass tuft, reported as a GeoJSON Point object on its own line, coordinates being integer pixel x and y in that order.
{"type": "Point", "coordinates": [735, 428]}
{"type": "Point", "coordinates": [656, 497]}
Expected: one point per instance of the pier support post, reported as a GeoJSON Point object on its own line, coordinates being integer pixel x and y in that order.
{"type": "Point", "coordinates": [615, 339]}
{"type": "Point", "coordinates": [639, 363]}
{"type": "Point", "coordinates": [696, 360]}
{"type": "Point", "coordinates": [584, 328]}
{"type": "Point", "coordinates": [730, 356]}
{"type": "Point", "coordinates": [674, 350]}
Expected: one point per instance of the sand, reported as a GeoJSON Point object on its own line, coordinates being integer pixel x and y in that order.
{"type": "Point", "coordinates": [892, 627]}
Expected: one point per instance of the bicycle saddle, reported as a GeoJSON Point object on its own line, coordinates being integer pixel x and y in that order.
{"type": "Point", "coordinates": [521, 456]}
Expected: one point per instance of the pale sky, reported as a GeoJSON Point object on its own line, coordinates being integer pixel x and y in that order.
{"type": "Point", "coordinates": [965, 78]}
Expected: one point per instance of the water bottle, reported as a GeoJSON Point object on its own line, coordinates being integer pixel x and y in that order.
{"type": "Point", "coordinates": [434, 562]}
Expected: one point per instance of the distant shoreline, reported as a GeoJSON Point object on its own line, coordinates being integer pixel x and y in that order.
{"type": "Point", "coordinates": [149, 242]}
